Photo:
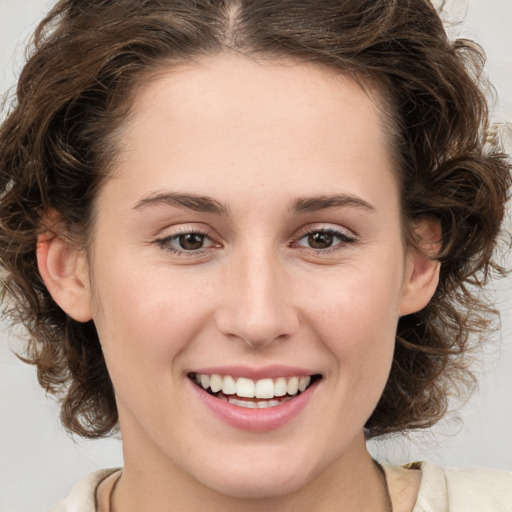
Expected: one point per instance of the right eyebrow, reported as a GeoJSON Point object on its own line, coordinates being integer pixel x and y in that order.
{"type": "Point", "coordinates": [190, 201]}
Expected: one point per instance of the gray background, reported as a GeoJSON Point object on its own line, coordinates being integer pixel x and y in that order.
{"type": "Point", "coordinates": [39, 463]}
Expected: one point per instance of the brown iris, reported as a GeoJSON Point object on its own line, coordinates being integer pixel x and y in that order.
{"type": "Point", "coordinates": [191, 241]}
{"type": "Point", "coordinates": [320, 240]}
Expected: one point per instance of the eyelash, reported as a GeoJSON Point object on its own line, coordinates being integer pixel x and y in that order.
{"type": "Point", "coordinates": [165, 243]}
{"type": "Point", "coordinates": [344, 240]}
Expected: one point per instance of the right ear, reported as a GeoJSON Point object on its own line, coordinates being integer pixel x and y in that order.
{"type": "Point", "coordinates": [63, 267]}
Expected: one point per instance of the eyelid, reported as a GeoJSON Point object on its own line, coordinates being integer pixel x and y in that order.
{"type": "Point", "coordinates": [347, 237]}
{"type": "Point", "coordinates": [164, 241]}
{"type": "Point", "coordinates": [325, 227]}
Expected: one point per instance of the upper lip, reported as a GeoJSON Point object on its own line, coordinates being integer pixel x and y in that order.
{"type": "Point", "coordinates": [266, 372]}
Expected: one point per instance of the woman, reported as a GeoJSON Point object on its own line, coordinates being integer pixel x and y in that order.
{"type": "Point", "coordinates": [251, 236]}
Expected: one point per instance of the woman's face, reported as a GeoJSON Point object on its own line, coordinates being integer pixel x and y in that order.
{"type": "Point", "coordinates": [250, 232]}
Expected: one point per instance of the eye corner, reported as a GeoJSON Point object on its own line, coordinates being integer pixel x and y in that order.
{"type": "Point", "coordinates": [328, 239]}
{"type": "Point", "coordinates": [188, 241]}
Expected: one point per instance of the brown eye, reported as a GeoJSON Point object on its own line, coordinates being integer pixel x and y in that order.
{"type": "Point", "coordinates": [320, 240]}
{"type": "Point", "coordinates": [325, 240]}
{"type": "Point", "coordinates": [188, 243]}
{"type": "Point", "coordinates": [191, 241]}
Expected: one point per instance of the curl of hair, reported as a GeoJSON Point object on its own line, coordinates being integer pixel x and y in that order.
{"type": "Point", "coordinates": [58, 143]}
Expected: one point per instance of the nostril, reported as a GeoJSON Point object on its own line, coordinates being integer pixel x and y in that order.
{"type": "Point", "coordinates": [257, 311]}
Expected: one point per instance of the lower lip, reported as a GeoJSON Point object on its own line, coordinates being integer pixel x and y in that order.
{"type": "Point", "coordinates": [255, 420]}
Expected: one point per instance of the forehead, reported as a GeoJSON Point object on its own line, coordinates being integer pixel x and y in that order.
{"type": "Point", "coordinates": [225, 86]}
{"type": "Point", "coordinates": [227, 118]}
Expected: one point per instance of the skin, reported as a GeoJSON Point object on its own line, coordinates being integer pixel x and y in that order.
{"type": "Point", "coordinates": [255, 137]}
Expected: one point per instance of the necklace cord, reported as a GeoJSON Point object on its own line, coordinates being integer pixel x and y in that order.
{"type": "Point", "coordinates": [389, 503]}
{"type": "Point", "coordinates": [111, 495]}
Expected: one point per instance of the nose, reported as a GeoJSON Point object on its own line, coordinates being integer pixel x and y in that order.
{"type": "Point", "coordinates": [257, 302]}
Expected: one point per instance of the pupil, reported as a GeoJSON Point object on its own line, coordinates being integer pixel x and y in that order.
{"type": "Point", "coordinates": [320, 240]}
{"type": "Point", "coordinates": [191, 241]}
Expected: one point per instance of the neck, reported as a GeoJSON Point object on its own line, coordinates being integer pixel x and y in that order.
{"type": "Point", "coordinates": [151, 483]}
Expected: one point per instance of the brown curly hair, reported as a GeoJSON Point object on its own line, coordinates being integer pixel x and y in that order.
{"type": "Point", "coordinates": [58, 141]}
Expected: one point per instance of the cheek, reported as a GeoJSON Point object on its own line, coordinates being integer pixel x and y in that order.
{"type": "Point", "coordinates": [145, 319]}
{"type": "Point", "coordinates": [356, 318]}
{"type": "Point", "coordinates": [354, 302]}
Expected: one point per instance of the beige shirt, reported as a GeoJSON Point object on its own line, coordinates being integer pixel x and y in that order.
{"type": "Point", "coordinates": [442, 489]}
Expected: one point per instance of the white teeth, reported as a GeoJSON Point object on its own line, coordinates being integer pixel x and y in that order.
{"type": "Point", "coordinates": [265, 389]}
{"type": "Point", "coordinates": [293, 386]}
{"type": "Point", "coordinates": [260, 404]}
{"type": "Point", "coordinates": [248, 388]}
{"type": "Point", "coordinates": [215, 383]}
{"type": "Point", "coordinates": [280, 387]}
{"type": "Point", "coordinates": [304, 383]}
{"type": "Point", "coordinates": [242, 403]}
{"type": "Point", "coordinates": [228, 385]}
{"type": "Point", "coordinates": [245, 387]}
{"type": "Point", "coordinates": [205, 381]}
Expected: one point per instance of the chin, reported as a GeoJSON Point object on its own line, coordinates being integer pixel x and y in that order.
{"type": "Point", "coordinates": [259, 486]}
{"type": "Point", "coordinates": [260, 479]}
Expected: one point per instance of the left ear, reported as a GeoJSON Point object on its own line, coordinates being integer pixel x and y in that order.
{"type": "Point", "coordinates": [421, 269]}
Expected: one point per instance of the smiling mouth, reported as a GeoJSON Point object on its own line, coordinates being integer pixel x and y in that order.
{"type": "Point", "coordinates": [253, 394]}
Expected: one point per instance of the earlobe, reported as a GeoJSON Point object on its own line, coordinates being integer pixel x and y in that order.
{"type": "Point", "coordinates": [63, 267]}
{"type": "Point", "coordinates": [422, 269]}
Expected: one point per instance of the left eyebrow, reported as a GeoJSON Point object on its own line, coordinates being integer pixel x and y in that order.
{"type": "Point", "coordinates": [194, 202]}
{"type": "Point", "coordinates": [313, 204]}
